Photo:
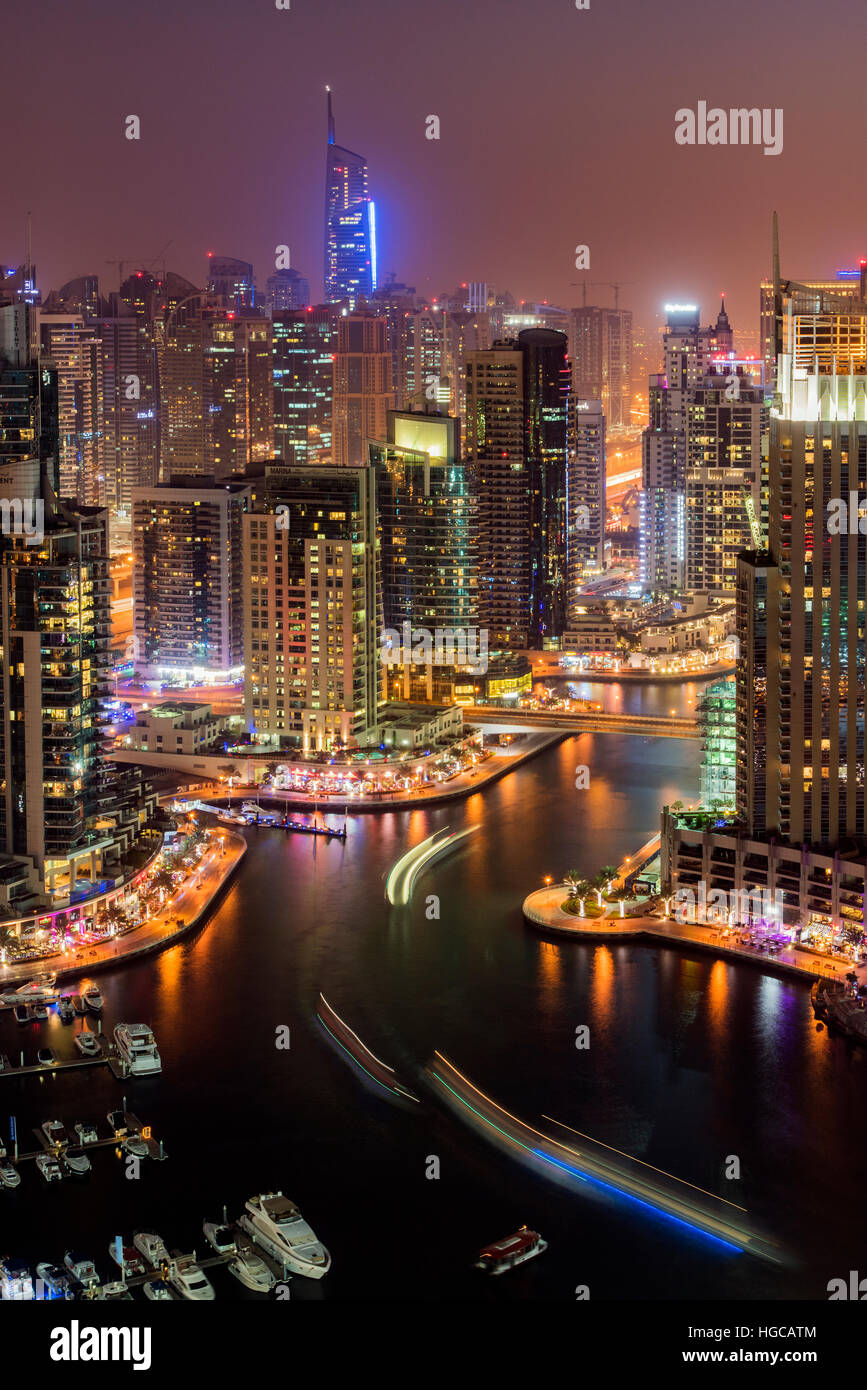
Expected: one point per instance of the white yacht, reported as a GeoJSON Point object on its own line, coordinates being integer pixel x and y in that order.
{"type": "Point", "coordinates": [49, 1168]}
{"type": "Point", "coordinates": [88, 1044]}
{"type": "Point", "coordinates": [75, 1163]}
{"type": "Point", "coordinates": [277, 1225]}
{"type": "Point", "coordinates": [158, 1291]}
{"type": "Point", "coordinates": [39, 991]}
{"type": "Point", "coordinates": [153, 1248]}
{"type": "Point", "coordinates": [252, 1271]}
{"type": "Point", "coordinates": [189, 1280]}
{"type": "Point", "coordinates": [137, 1046]}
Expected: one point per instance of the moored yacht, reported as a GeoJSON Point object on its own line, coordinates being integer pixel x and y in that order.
{"type": "Point", "coordinates": [153, 1247]}
{"type": "Point", "coordinates": [137, 1046]}
{"type": "Point", "coordinates": [251, 1270]}
{"type": "Point", "coordinates": [278, 1226]}
{"type": "Point", "coordinates": [93, 999]}
{"type": "Point", "coordinates": [189, 1280]}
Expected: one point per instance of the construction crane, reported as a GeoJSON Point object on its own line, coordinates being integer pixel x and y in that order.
{"type": "Point", "coordinates": [612, 284]}
{"type": "Point", "coordinates": [139, 261]}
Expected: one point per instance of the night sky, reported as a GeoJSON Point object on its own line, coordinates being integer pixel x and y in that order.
{"type": "Point", "coordinates": [557, 129]}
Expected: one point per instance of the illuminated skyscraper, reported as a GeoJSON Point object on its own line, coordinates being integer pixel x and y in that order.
{"type": "Point", "coordinates": [231, 281]}
{"type": "Point", "coordinates": [304, 343]}
{"type": "Point", "coordinates": [600, 345]}
{"type": "Point", "coordinates": [585, 497]}
{"type": "Point", "coordinates": [350, 224]}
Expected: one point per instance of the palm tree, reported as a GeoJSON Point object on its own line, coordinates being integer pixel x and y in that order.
{"type": "Point", "coordinates": [622, 896]}
{"type": "Point", "coordinates": [582, 888]}
{"type": "Point", "coordinates": [573, 878]}
{"type": "Point", "coordinates": [598, 882]}
{"type": "Point", "coordinates": [608, 873]}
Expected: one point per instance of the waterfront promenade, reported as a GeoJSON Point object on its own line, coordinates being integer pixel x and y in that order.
{"type": "Point", "coordinates": [186, 910]}
{"type": "Point", "coordinates": [542, 909]}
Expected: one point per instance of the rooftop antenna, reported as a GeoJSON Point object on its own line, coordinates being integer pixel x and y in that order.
{"type": "Point", "coordinates": [330, 118]}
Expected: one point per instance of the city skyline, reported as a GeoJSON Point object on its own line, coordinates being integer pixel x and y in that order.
{"type": "Point", "coordinates": [275, 194]}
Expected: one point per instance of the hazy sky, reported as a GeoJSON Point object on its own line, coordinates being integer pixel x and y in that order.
{"type": "Point", "coordinates": [557, 129]}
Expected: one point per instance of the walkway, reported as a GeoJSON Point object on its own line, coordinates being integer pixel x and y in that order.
{"type": "Point", "coordinates": [189, 906]}
{"type": "Point", "coordinates": [542, 909]}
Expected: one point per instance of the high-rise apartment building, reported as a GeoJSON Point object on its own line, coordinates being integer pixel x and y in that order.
{"type": "Point", "coordinates": [585, 498]}
{"type": "Point", "coordinates": [350, 224]}
{"type": "Point", "coordinates": [65, 813]}
{"type": "Point", "coordinates": [312, 610]}
{"type": "Point", "coordinates": [304, 343]}
{"type": "Point", "coordinates": [600, 345]}
{"type": "Point", "coordinates": [231, 282]}
{"type": "Point", "coordinates": [187, 578]}
{"type": "Point", "coordinates": [76, 350]}
{"type": "Point", "coordinates": [286, 289]}
{"type": "Point", "coordinates": [688, 355]}
{"type": "Point", "coordinates": [363, 391]}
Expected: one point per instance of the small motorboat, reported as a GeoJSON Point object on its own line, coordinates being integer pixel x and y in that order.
{"type": "Point", "coordinates": [16, 1281]}
{"type": "Point", "coordinates": [189, 1280]}
{"type": "Point", "coordinates": [93, 1000]}
{"type": "Point", "coordinates": [252, 1271]}
{"type": "Point", "coordinates": [65, 1009]}
{"type": "Point", "coordinates": [77, 1164]}
{"type": "Point", "coordinates": [127, 1259]}
{"type": "Point", "coordinates": [81, 1268]}
{"type": "Point", "coordinates": [88, 1044]}
{"type": "Point", "coordinates": [45, 1057]}
{"type": "Point", "coordinates": [40, 1012]}
{"type": "Point", "coordinates": [87, 1134]}
{"type": "Point", "coordinates": [114, 1290]}
{"type": "Point", "coordinates": [220, 1237]}
{"type": "Point", "coordinates": [49, 1168]}
{"type": "Point", "coordinates": [9, 1175]}
{"type": "Point", "coordinates": [117, 1123]}
{"type": "Point", "coordinates": [135, 1145]}
{"type": "Point", "coordinates": [158, 1291]}
{"type": "Point", "coordinates": [78, 1004]}
{"type": "Point", "coordinates": [55, 1133]}
{"type": "Point", "coordinates": [56, 1283]}
{"type": "Point", "coordinates": [22, 1013]}
{"type": "Point", "coordinates": [153, 1247]}
{"type": "Point", "coordinates": [512, 1250]}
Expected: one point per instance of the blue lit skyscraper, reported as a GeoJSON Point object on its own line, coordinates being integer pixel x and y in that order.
{"type": "Point", "coordinates": [350, 224]}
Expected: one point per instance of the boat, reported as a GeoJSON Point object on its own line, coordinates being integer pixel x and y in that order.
{"type": "Point", "coordinates": [87, 1043]}
{"type": "Point", "coordinates": [220, 1237]}
{"type": "Point", "coordinates": [116, 1289]}
{"type": "Point", "coordinates": [93, 1000]}
{"type": "Point", "coordinates": [45, 1057]}
{"type": "Point", "coordinates": [127, 1258]}
{"type": "Point", "coordinates": [78, 1004]}
{"type": "Point", "coordinates": [22, 1013]}
{"type": "Point", "coordinates": [49, 1168]}
{"type": "Point", "coordinates": [135, 1145]}
{"type": "Point", "coordinates": [117, 1123]}
{"type": "Point", "coordinates": [277, 1225]}
{"type": "Point", "coordinates": [153, 1247]}
{"type": "Point", "coordinates": [9, 1175]}
{"type": "Point", "coordinates": [42, 990]}
{"type": "Point", "coordinates": [510, 1251]}
{"type": "Point", "coordinates": [137, 1046]}
{"type": "Point", "coordinates": [87, 1134]}
{"type": "Point", "coordinates": [252, 1271]}
{"type": "Point", "coordinates": [40, 1012]}
{"type": "Point", "coordinates": [189, 1280]}
{"type": "Point", "coordinates": [77, 1164]}
{"type": "Point", "coordinates": [81, 1268]}
{"type": "Point", "coordinates": [158, 1291]}
{"type": "Point", "coordinates": [55, 1133]}
{"type": "Point", "coordinates": [55, 1280]}
{"type": "Point", "coordinates": [16, 1281]}
{"type": "Point", "coordinates": [65, 1009]}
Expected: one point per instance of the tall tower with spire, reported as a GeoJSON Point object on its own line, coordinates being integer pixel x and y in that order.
{"type": "Point", "coordinates": [350, 223]}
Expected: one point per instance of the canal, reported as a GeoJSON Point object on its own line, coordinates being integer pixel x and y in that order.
{"type": "Point", "coordinates": [691, 1063]}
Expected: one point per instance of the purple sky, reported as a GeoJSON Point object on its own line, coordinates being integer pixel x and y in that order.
{"type": "Point", "coordinates": [557, 129]}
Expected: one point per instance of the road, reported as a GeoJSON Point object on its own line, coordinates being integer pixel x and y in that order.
{"type": "Point", "coordinates": [646, 725]}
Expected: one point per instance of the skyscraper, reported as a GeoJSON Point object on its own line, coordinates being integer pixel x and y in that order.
{"type": "Point", "coordinates": [312, 610]}
{"type": "Point", "coordinates": [363, 392]}
{"type": "Point", "coordinates": [304, 343]}
{"type": "Point", "coordinates": [585, 497]}
{"type": "Point", "coordinates": [547, 380]}
{"type": "Point", "coordinates": [600, 345]}
{"type": "Point", "coordinates": [688, 350]}
{"type": "Point", "coordinates": [350, 224]}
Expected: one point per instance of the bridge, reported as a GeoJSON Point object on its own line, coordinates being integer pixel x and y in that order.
{"type": "Point", "coordinates": [587, 721]}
